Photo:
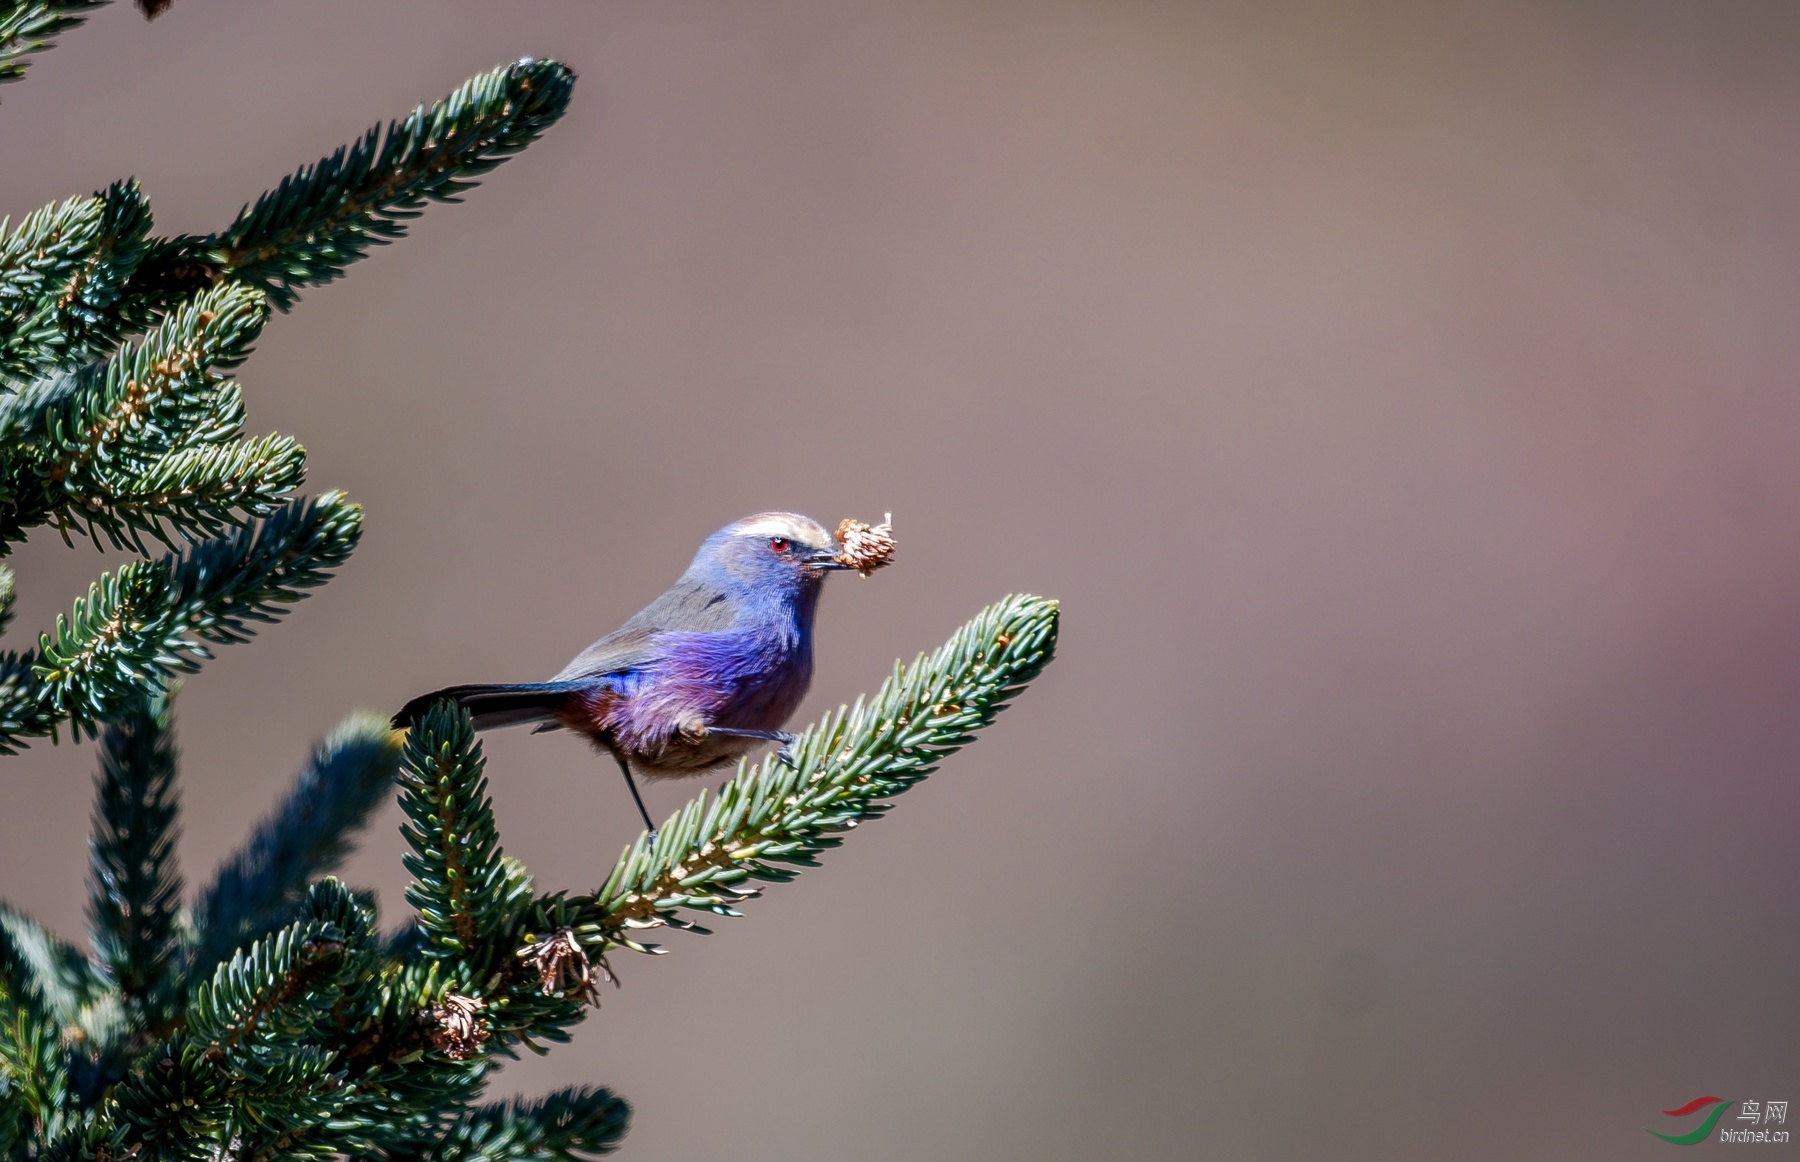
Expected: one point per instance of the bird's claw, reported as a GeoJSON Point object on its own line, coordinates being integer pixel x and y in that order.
{"type": "Point", "coordinates": [787, 739]}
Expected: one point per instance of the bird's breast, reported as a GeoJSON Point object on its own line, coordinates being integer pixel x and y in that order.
{"type": "Point", "coordinates": [747, 681]}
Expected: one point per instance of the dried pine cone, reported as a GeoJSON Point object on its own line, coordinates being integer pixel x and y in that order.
{"type": "Point", "coordinates": [562, 967]}
{"type": "Point", "coordinates": [866, 547]}
{"type": "Point", "coordinates": [460, 1030]}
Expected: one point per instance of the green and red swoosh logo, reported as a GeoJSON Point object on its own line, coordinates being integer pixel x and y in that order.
{"type": "Point", "coordinates": [1703, 1129]}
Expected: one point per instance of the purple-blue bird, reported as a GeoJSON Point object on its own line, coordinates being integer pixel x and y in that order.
{"type": "Point", "coordinates": [699, 676]}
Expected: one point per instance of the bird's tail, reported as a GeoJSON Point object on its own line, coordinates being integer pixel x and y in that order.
{"type": "Point", "coordinates": [496, 704]}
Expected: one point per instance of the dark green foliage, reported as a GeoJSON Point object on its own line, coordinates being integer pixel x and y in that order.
{"type": "Point", "coordinates": [32, 1064]}
{"type": "Point", "coordinates": [134, 443]}
{"type": "Point", "coordinates": [566, 1125]}
{"type": "Point", "coordinates": [307, 835]}
{"type": "Point", "coordinates": [465, 889]}
{"type": "Point", "coordinates": [63, 277]}
{"type": "Point", "coordinates": [156, 618]}
{"type": "Point", "coordinates": [135, 890]}
{"type": "Point", "coordinates": [53, 1001]}
{"type": "Point", "coordinates": [28, 26]}
{"type": "Point", "coordinates": [327, 215]}
{"type": "Point", "coordinates": [278, 1025]}
{"type": "Point", "coordinates": [314, 1039]}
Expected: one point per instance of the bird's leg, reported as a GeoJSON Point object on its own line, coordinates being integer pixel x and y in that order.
{"type": "Point", "coordinates": [785, 756]}
{"type": "Point", "coordinates": [635, 797]}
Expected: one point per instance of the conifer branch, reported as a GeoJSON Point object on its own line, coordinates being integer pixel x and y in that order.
{"type": "Point", "coordinates": [135, 888]}
{"type": "Point", "coordinates": [153, 619]}
{"type": "Point", "coordinates": [248, 1069]}
{"type": "Point", "coordinates": [328, 214]}
{"type": "Point", "coordinates": [94, 312]}
{"type": "Point", "coordinates": [773, 818]}
{"type": "Point", "coordinates": [464, 887]}
{"type": "Point", "coordinates": [52, 999]}
{"type": "Point", "coordinates": [29, 26]}
{"type": "Point", "coordinates": [274, 991]}
{"type": "Point", "coordinates": [316, 1097]}
{"type": "Point", "coordinates": [566, 1125]}
{"type": "Point", "coordinates": [313, 1041]}
{"type": "Point", "coordinates": [197, 492]}
{"type": "Point", "coordinates": [23, 713]}
{"type": "Point", "coordinates": [70, 310]}
{"type": "Point", "coordinates": [33, 1075]}
{"type": "Point", "coordinates": [308, 835]}
{"type": "Point", "coordinates": [70, 985]}
{"type": "Point", "coordinates": [41, 253]}
{"type": "Point", "coordinates": [152, 397]}
{"type": "Point", "coordinates": [142, 443]}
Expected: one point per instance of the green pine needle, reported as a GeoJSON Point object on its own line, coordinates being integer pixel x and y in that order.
{"type": "Point", "coordinates": [153, 619]}
{"type": "Point", "coordinates": [270, 994]}
{"type": "Point", "coordinates": [29, 26]}
{"type": "Point", "coordinates": [144, 443]}
{"type": "Point", "coordinates": [135, 888]}
{"type": "Point", "coordinates": [70, 310]}
{"type": "Point", "coordinates": [23, 701]}
{"type": "Point", "coordinates": [249, 1068]}
{"type": "Point", "coordinates": [44, 249]}
{"type": "Point", "coordinates": [73, 988]}
{"type": "Point", "coordinates": [34, 1077]}
{"type": "Point", "coordinates": [37, 260]}
{"type": "Point", "coordinates": [328, 214]}
{"type": "Point", "coordinates": [565, 1125]}
{"type": "Point", "coordinates": [464, 887]}
{"type": "Point", "coordinates": [196, 492]}
{"type": "Point", "coordinates": [154, 396]}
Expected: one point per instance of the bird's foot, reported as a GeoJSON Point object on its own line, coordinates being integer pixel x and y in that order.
{"type": "Point", "coordinates": [787, 739]}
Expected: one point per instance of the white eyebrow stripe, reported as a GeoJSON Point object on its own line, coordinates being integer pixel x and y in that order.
{"type": "Point", "coordinates": [805, 532]}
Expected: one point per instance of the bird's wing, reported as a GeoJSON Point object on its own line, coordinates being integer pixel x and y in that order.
{"type": "Point", "coordinates": [688, 607]}
{"type": "Point", "coordinates": [626, 648]}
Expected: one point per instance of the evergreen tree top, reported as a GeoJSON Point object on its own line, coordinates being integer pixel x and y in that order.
{"type": "Point", "coordinates": [272, 1019]}
{"type": "Point", "coordinates": [120, 421]}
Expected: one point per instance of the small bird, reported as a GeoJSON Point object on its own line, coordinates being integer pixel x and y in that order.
{"type": "Point", "coordinates": [699, 676]}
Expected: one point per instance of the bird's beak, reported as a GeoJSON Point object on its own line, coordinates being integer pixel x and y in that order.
{"type": "Point", "coordinates": [825, 559]}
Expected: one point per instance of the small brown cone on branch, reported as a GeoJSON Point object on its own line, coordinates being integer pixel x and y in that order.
{"type": "Point", "coordinates": [563, 968]}
{"type": "Point", "coordinates": [460, 1030]}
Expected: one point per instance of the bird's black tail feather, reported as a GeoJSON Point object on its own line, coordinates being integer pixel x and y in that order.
{"type": "Point", "coordinates": [496, 704]}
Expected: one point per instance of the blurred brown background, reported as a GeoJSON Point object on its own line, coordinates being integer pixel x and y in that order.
{"type": "Point", "coordinates": [1400, 398]}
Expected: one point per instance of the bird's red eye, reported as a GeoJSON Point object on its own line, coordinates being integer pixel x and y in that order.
{"type": "Point", "coordinates": [779, 544]}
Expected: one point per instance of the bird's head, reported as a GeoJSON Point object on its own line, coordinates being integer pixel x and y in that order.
{"type": "Point", "coordinates": [771, 551]}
